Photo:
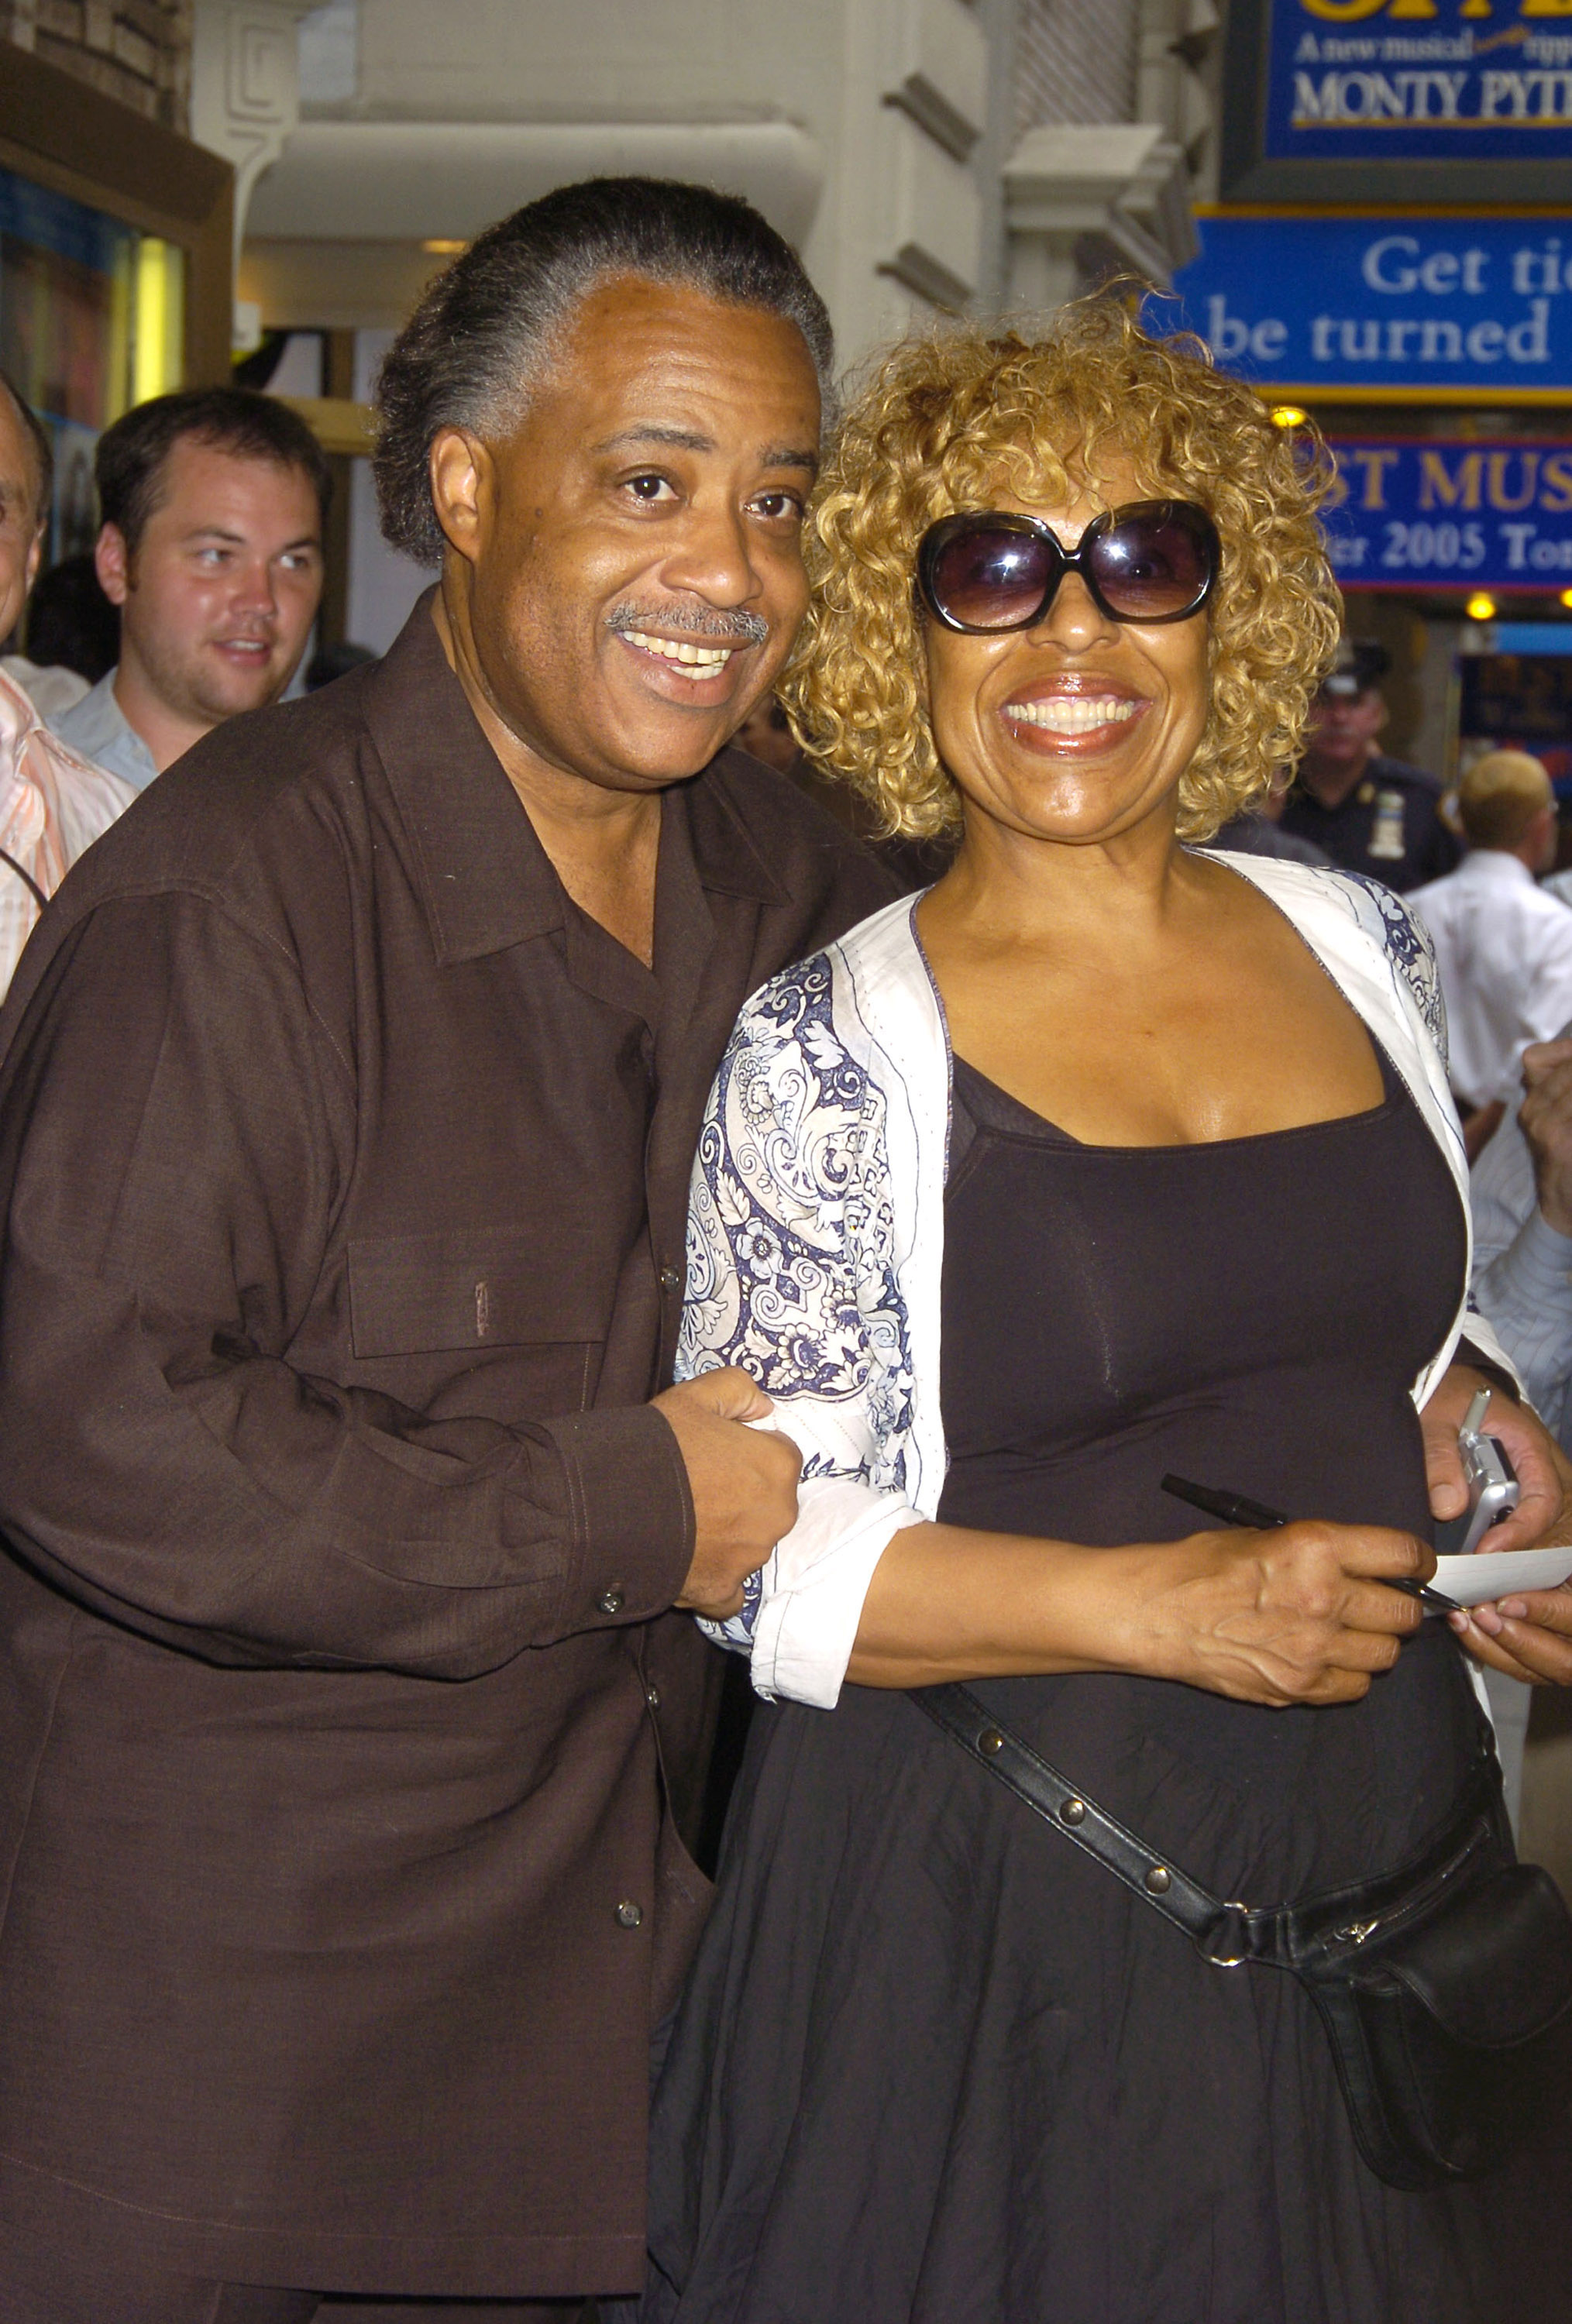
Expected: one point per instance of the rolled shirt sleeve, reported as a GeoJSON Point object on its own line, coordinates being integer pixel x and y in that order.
{"type": "Point", "coordinates": [815, 1584]}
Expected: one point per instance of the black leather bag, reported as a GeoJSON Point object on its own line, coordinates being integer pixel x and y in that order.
{"type": "Point", "coordinates": [1444, 1986]}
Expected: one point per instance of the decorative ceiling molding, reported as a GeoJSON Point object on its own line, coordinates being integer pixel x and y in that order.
{"type": "Point", "coordinates": [245, 91]}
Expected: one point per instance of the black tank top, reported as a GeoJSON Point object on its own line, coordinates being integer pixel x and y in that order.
{"type": "Point", "coordinates": [1251, 1314]}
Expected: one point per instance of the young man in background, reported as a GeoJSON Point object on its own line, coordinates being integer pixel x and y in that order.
{"type": "Point", "coordinates": [212, 503]}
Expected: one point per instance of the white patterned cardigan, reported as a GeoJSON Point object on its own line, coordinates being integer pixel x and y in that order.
{"type": "Point", "coordinates": [816, 1232]}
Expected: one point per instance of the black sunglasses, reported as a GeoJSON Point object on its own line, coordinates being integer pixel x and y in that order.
{"type": "Point", "coordinates": [990, 570]}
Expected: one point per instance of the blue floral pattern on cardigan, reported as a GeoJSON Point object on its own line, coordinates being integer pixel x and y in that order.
{"type": "Point", "coordinates": [1406, 941]}
{"type": "Point", "coordinates": [790, 1230]}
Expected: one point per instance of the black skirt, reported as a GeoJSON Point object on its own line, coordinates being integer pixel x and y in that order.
{"type": "Point", "coordinates": [936, 2066]}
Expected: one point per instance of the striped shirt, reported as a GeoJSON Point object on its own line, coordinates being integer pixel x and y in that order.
{"type": "Point", "coordinates": [53, 804]}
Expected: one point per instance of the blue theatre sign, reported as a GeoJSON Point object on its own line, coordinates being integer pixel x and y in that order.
{"type": "Point", "coordinates": [1424, 514]}
{"type": "Point", "coordinates": [1410, 98]}
{"type": "Point", "coordinates": [1382, 308]}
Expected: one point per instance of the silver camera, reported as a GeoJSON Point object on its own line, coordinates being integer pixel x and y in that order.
{"type": "Point", "coordinates": [1493, 1485]}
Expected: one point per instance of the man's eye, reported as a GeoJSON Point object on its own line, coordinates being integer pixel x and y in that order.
{"type": "Point", "coordinates": [778, 507]}
{"type": "Point", "coordinates": [651, 488]}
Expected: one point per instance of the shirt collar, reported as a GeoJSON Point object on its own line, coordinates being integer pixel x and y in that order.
{"type": "Point", "coordinates": [96, 728]}
{"type": "Point", "coordinates": [488, 882]}
{"type": "Point", "coordinates": [1483, 865]}
{"type": "Point", "coordinates": [18, 716]}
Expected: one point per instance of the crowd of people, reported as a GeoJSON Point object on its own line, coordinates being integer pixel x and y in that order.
{"type": "Point", "coordinates": [516, 1214]}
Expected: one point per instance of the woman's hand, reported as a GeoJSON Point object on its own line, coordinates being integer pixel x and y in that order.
{"type": "Point", "coordinates": [1296, 1615]}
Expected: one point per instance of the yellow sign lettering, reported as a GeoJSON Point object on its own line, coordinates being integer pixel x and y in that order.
{"type": "Point", "coordinates": [1343, 11]}
{"type": "Point", "coordinates": [1438, 489]}
{"type": "Point", "coordinates": [1497, 494]}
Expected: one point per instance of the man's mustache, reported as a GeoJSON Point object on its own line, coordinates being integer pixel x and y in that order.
{"type": "Point", "coordinates": [691, 621]}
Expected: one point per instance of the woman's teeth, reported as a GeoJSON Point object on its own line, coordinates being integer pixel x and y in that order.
{"type": "Point", "coordinates": [696, 661]}
{"type": "Point", "coordinates": [1072, 713]}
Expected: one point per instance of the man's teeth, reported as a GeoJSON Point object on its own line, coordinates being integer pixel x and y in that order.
{"type": "Point", "coordinates": [1072, 713]}
{"type": "Point", "coordinates": [704, 661]}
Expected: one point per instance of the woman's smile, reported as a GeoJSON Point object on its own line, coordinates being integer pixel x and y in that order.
{"type": "Point", "coordinates": [1073, 714]}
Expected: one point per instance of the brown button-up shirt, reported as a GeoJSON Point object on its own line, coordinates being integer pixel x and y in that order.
{"type": "Point", "coordinates": [344, 1163]}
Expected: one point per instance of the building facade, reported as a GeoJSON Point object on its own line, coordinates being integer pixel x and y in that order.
{"type": "Point", "coordinates": [923, 154]}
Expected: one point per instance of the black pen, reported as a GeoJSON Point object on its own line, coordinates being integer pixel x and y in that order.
{"type": "Point", "coordinates": [1236, 1509]}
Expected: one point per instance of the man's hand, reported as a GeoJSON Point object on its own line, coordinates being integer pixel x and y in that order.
{"type": "Point", "coordinates": [1526, 1638]}
{"type": "Point", "coordinates": [1529, 1637]}
{"type": "Point", "coordinates": [742, 1480]}
{"type": "Point", "coordinates": [1529, 1447]}
{"type": "Point", "coordinates": [1546, 1117]}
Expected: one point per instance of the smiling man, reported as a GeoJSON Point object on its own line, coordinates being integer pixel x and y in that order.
{"type": "Point", "coordinates": [348, 1734]}
{"type": "Point", "coordinates": [211, 547]}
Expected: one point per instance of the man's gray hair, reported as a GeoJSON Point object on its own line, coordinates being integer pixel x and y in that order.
{"type": "Point", "coordinates": [481, 335]}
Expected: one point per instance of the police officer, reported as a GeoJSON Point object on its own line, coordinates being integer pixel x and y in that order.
{"type": "Point", "coordinates": [1368, 812]}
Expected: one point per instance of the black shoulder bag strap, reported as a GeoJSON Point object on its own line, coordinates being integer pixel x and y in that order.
{"type": "Point", "coordinates": [1220, 1932]}
{"type": "Point", "coordinates": [26, 877]}
{"type": "Point", "coordinates": [1227, 1934]}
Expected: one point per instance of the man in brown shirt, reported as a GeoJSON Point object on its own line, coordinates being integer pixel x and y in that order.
{"type": "Point", "coordinates": [349, 1095]}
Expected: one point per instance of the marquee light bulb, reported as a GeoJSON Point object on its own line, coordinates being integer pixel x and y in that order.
{"type": "Point", "coordinates": [1567, 599]}
{"type": "Point", "coordinates": [1288, 415]}
{"type": "Point", "coordinates": [1481, 608]}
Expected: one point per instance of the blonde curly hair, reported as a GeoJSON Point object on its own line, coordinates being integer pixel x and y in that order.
{"type": "Point", "coordinates": [948, 421]}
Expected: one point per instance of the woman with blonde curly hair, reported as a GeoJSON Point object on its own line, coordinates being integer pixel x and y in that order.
{"type": "Point", "coordinates": [1109, 1165]}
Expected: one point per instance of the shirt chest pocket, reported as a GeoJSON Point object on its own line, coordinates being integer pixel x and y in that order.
{"type": "Point", "coordinates": [478, 1289]}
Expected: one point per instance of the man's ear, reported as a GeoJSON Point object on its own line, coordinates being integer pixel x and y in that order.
{"type": "Point", "coordinates": [113, 560]}
{"type": "Point", "coordinates": [34, 560]}
{"type": "Point", "coordinates": [462, 484]}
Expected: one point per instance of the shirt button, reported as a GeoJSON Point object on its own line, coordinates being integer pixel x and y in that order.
{"type": "Point", "coordinates": [670, 1279]}
{"type": "Point", "coordinates": [653, 1697]}
{"type": "Point", "coordinates": [610, 1602]}
{"type": "Point", "coordinates": [629, 1915]}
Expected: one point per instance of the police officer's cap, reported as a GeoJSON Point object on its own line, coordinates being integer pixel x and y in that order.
{"type": "Point", "coordinates": [1361, 664]}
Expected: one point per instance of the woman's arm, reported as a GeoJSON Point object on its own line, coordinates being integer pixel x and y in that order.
{"type": "Point", "coordinates": [1296, 1615]}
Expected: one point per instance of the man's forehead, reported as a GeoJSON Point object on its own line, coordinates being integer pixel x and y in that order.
{"type": "Point", "coordinates": [637, 355]}
{"type": "Point", "coordinates": [655, 435]}
{"type": "Point", "coordinates": [198, 475]}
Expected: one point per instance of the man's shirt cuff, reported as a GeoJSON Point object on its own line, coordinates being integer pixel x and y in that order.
{"type": "Point", "coordinates": [631, 1515]}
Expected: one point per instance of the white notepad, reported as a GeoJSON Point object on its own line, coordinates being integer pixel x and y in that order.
{"type": "Point", "coordinates": [1500, 1573]}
